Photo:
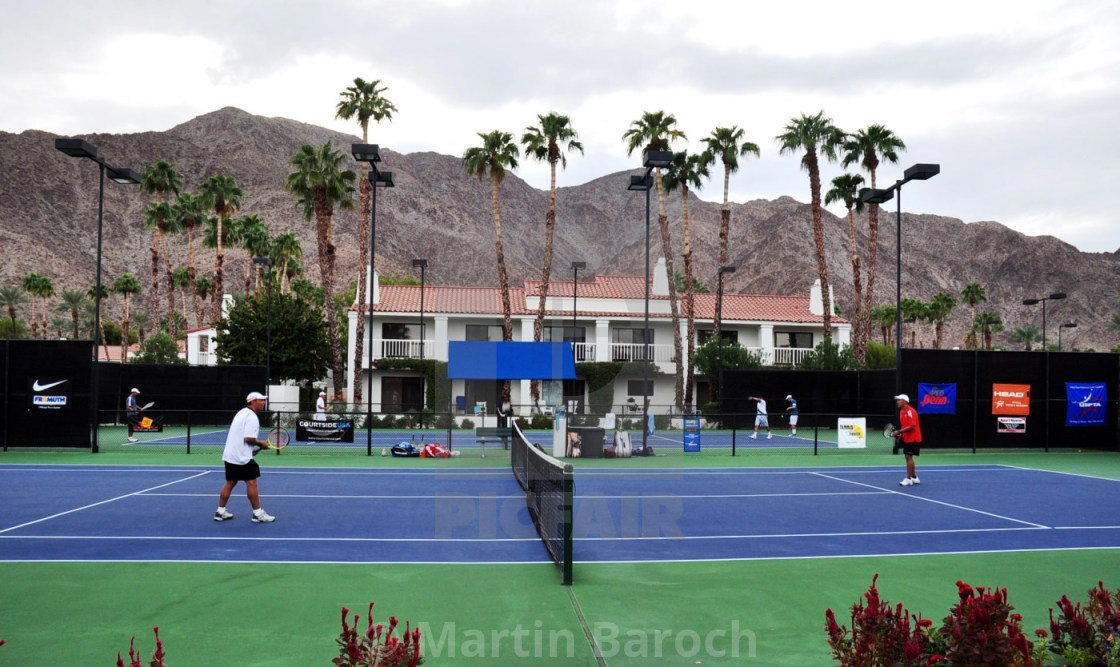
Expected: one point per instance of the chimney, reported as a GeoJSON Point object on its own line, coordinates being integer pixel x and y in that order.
{"type": "Point", "coordinates": [816, 305]}
{"type": "Point", "coordinates": [660, 285]}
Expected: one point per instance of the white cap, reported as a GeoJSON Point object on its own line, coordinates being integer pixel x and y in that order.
{"type": "Point", "coordinates": [322, 393]}
{"type": "Point", "coordinates": [789, 397]}
{"type": "Point", "coordinates": [255, 396]}
{"type": "Point", "coordinates": [134, 391]}
{"type": "Point", "coordinates": [902, 397]}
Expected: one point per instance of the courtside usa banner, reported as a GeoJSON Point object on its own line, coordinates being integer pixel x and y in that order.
{"type": "Point", "coordinates": [1085, 403]}
{"type": "Point", "coordinates": [937, 399]}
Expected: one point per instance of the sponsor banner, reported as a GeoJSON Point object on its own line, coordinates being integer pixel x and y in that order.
{"type": "Point", "coordinates": [149, 425]}
{"type": "Point", "coordinates": [851, 432]}
{"type": "Point", "coordinates": [49, 393]}
{"type": "Point", "coordinates": [1085, 403]}
{"type": "Point", "coordinates": [311, 430]}
{"type": "Point", "coordinates": [1011, 399]}
{"type": "Point", "coordinates": [1011, 425]}
{"type": "Point", "coordinates": [937, 399]}
{"type": "Point", "coordinates": [691, 434]}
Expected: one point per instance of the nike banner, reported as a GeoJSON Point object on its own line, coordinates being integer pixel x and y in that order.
{"type": "Point", "coordinates": [50, 393]}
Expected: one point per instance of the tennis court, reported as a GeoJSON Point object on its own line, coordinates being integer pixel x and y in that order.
{"type": "Point", "coordinates": [668, 543]}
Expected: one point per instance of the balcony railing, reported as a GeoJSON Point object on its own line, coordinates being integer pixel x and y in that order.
{"type": "Point", "coordinates": [637, 352]}
{"type": "Point", "coordinates": [402, 349]}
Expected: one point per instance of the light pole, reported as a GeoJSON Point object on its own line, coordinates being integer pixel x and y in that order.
{"type": "Point", "coordinates": [267, 263]}
{"type": "Point", "coordinates": [918, 172]}
{"type": "Point", "coordinates": [650, 160]}
{"type": "Point", "coordinates": [1056, 296]}
{"type": "Point", "coordinates": [576, 266]}
{"type": "Point", "coordinates": [1067, 325]}
{"type": "Point", "coordinates": [123, 175]}
{"type": "Point", "coordinates": [423, 264]}
{"type": "Point", "coordinates": [371, 153]}
{"type": "Point", "coordinates": [719, 319]}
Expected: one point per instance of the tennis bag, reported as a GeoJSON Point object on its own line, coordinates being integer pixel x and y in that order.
{"type": "Point", "coordinates": [405, 449]}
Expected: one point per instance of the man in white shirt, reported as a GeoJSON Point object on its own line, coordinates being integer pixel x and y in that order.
{"type": "Point", "coordinates": [321, 407]}
{"type": "Point", "coordinates": [242, 444]}
{"type": "Point", "coordinates": [761, 420]}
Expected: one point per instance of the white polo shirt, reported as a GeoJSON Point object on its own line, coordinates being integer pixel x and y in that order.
{"type": "Point", "coordinates": [246, 424]}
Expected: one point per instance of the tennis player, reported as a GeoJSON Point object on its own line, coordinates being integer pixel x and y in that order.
{"type": "Point", "coordinates": [133, 410]}
{"type": "Point", "coordinates": [792, 410]}
{"type": "Point", "coordinates": [761, 420]}
{"type": "Point", "coordinates": [321, 407]}
{"type": "Point", "coordinates": [911, 433]}
{"type": "Point", "coordinates": [242, 444]}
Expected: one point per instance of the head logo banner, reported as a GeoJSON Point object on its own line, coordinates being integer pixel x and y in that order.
{"type": "Point", "coordinates": [937, 399]}
{"type": "Point", "coordinates": [1085, 403]}
{"type": "Point", "coordinates": [1011, 399]}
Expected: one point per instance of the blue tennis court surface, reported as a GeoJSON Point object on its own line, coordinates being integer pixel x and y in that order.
{"type": "Point", "coordinates": [135, 513]}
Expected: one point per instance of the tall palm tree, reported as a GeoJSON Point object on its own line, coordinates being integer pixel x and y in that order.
{"type": "Point", "coordinates": [884, 318]}
{"type": "Point", "coordinates": [181, 279]}
{"type": "Point", "coordinates": [497, 154]}
{"type": "Point", "coordinates": [940, 307]}
{"type": "Point", "coordinates": [257, 242]}
{"type": "Point", "coordinates": [1027, 335]}
{"type": "Point", "coordinates": [159, 178]}
{"type": "Point", "coordinates": [727, 145]}
{"type": "Point", "coordinates": [126, 286]}
{"type": "Point", "coordinates": [988, 323]}
{"type": "Point", "coordinates": [688, 171]}
{"type": "Point", "coordinates": [142, 321]}
{"type": "Point", "coordinates": [11, 299]}
{"type": "Point", "coordinates": [913, 310]}
{"type": "Point", "coordinates": [40, 288]}
{"type": "Point", "coordinates": [973, 294]}
{"type": "Point", "coordinates": [846, 189]}
{"type": "Point", "coordinates": [286, 249]}
{"type": "Point", "coordinates": [73, 301]}
{"type": "Point", "coordinates": [656, 131]}
{"type": "Point", "coordinates": [203, 289]}
{"type": "Point", "coordinates": [190, 213]}
{"type": "Point", "coordinates": [547, 142]}
{"type": "Point", "coordinates": [319, 185]}
{"type": "Point", "coordinates": [363, 101]}
{"type": "Point", "coordinates": [867, 147]}
{"type": "Point", "coordinates": [223, 197]}
{"type": "Point", "coordinates": [815, 135]}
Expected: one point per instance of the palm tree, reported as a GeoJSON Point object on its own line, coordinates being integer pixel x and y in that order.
{"type": "Point", "coordinates": [688, 171]}
{"type": "Point", "coordinates": [287, 250]}
{"type": "Point", "coordinates": [727, 145]}
{"type": "Point", "coordinates": [913, 310]}
{"type": "Point", "coordinates": [363, 101]}
{"type": "Point", "coordinates": [547, 142]}
{"type": "Point", "coordinates": [159, 178]}
{"type": "Point", "coordinates": [73, 301]}
{"type": "Point", "coordinates": [190, 212]}
{"type": "Point", "coordinates": [846, 188]}
{"type": "Point", "coordinates": [58, 325]}
{"type": "Point", "coordinates": [656, 131]}
{"type": "Point", "coordinates": [252, 235]}
{"type": "Point", "coordinates": [40, 288]}
{"type": "Point", "coordinates": [973, 294]}
{"type": "Point", "coordinates": [865, 148]}
{"type": "Point", "coordinates": [126, 286]}
{"type": "Point", "coordinates": [884, 317]}
{"type": "Point", "coordinates": [319, 184]}
{"type": "Point", "coordinates": [1027, 335]}
{"type": "Point", "coordinates": [988, 323]}
{"type": "Point", "coordinates": [221, 195]}
{"type": "Point", "coordinates": [940, 307]}
{"type": "Point", "coordinates": [203, 288]}
{"type": "Point", "coordinates": [12, 298]}
{"type": "Point", "coordinates": [497, 154]}
{"type": "Point", "coordinates": [181, 278]}
{"type": "Point", "coordinates": [812, 134]}
{"type": "Point", "coordinates": [97, 326]}
{"type": "Point", "coordinates": [142, 321]}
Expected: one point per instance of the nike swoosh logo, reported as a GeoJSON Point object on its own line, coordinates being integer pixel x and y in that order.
{"type": "Point", "coordinates": [41, 387]}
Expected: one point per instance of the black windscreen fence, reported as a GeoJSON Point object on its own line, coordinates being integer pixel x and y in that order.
{"type": "Point", "coordinates": [204, 394]}
{"type": "Point", "coordinates": [999, 398]}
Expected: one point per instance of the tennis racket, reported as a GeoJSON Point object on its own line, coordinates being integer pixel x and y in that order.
{"type": "Point", "coordinates": [277, 438]}
{"type": "Point", "coordinates": [150, 404]}
{"type": "Point", "coordinates": [888, 432]}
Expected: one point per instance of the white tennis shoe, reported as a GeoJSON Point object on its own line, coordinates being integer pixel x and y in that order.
{"type": "Point", "coordinates": [222, 515]}
{"type": "Point", "coordinates": [905, 482]}
{"type": "Point", "coordinates": [263, 517]}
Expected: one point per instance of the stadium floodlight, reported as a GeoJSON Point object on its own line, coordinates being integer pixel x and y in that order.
{"type": "Point", "coordinates": [125, 176]}
{"type": "Point", "coordinates": [371, 154]}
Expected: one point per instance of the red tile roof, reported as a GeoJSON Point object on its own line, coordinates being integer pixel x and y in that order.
{"type": "Point", "coordinates": [487, 301]}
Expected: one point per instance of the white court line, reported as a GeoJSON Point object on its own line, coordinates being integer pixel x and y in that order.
{"type": "Point", "coordinates": [437, 496]}
{"type": "Point", "coordinates": [102, 502]}
{"type": "Point", "coordinates": [171, 538]}
{"type": "Point", "coordinates": [936, 502]}
{"type": "Point", "coordinates": [766, 536]}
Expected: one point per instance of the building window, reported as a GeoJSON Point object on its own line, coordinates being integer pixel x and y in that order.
{"type": "Point", "coordinates": [796, 339]}
{"type": "Point", "coordinates": [634, 388]}
{"type": "Point", "coordinates": [484, 332]}
{"type": "Point", "coordinates": [394, 331]}
{"type": "Point", "coordinates": [731, 337]}
{"type": "Point", "coordinates": [627, 344]}
{"type": "Point", "coordinates": [564, 334]}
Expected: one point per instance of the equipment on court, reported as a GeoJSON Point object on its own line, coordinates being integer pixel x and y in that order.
{"type": "Point", "coordinates": [888, 432]}
{"type": "Point", "coordinates": [150, 404]}
{"type": "Point", "coordinates": [277, 438]}
{"type": "Point", "coordinates": [549, 489]}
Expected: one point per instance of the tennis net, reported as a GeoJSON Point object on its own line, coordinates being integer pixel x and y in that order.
{"type": "Point", "coordinates": [549, 487]}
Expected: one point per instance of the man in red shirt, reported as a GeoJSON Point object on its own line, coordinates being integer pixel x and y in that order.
{"type": "Point", "coordinates": [911, 433]}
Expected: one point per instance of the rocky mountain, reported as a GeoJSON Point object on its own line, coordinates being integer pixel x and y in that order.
{"type": "Point", "coordinates": [48, 224]}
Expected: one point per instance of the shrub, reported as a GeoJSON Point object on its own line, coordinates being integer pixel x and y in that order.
{"type": "Point", "coordinates": [1088, 637]}
{"type": "Point", "coordinates": [377, 647]}
{"type": "Point", "coordinates": [134, 655]}
{"type": "Point", "coordinates": [881, 634]}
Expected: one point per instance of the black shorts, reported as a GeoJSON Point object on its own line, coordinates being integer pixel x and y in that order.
{"type": "Point", "coordinates": [236, 473]}
{"type": "Point", "coordinates": [912, 448]}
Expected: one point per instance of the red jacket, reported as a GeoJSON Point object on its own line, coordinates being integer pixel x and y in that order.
{"type": "Point", "coordinates": [908, 416]}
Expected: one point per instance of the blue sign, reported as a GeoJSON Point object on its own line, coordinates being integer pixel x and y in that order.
{"type": "Point", "coordinates": [1085, 403]}
{"type": "Point", "coordinates": [937, 399]}
{"type": "Point", "coordinates": [691, 434]}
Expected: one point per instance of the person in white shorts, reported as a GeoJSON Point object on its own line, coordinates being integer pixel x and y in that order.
{"type": "Point", "coordinates": [792, 410]}
{"type": "Point", "coordinates": [242, 444]}
{"type": "Point", "coordinates": [321, 407]}
{"type": "Point", "coordinates": [761, 420]}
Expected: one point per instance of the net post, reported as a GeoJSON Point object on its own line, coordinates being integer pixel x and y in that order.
{"type": "Point", "coordinates": [569, 501]}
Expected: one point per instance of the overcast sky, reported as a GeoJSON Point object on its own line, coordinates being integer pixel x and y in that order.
{"type": "Point", "coordinates": [1017, 101]}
